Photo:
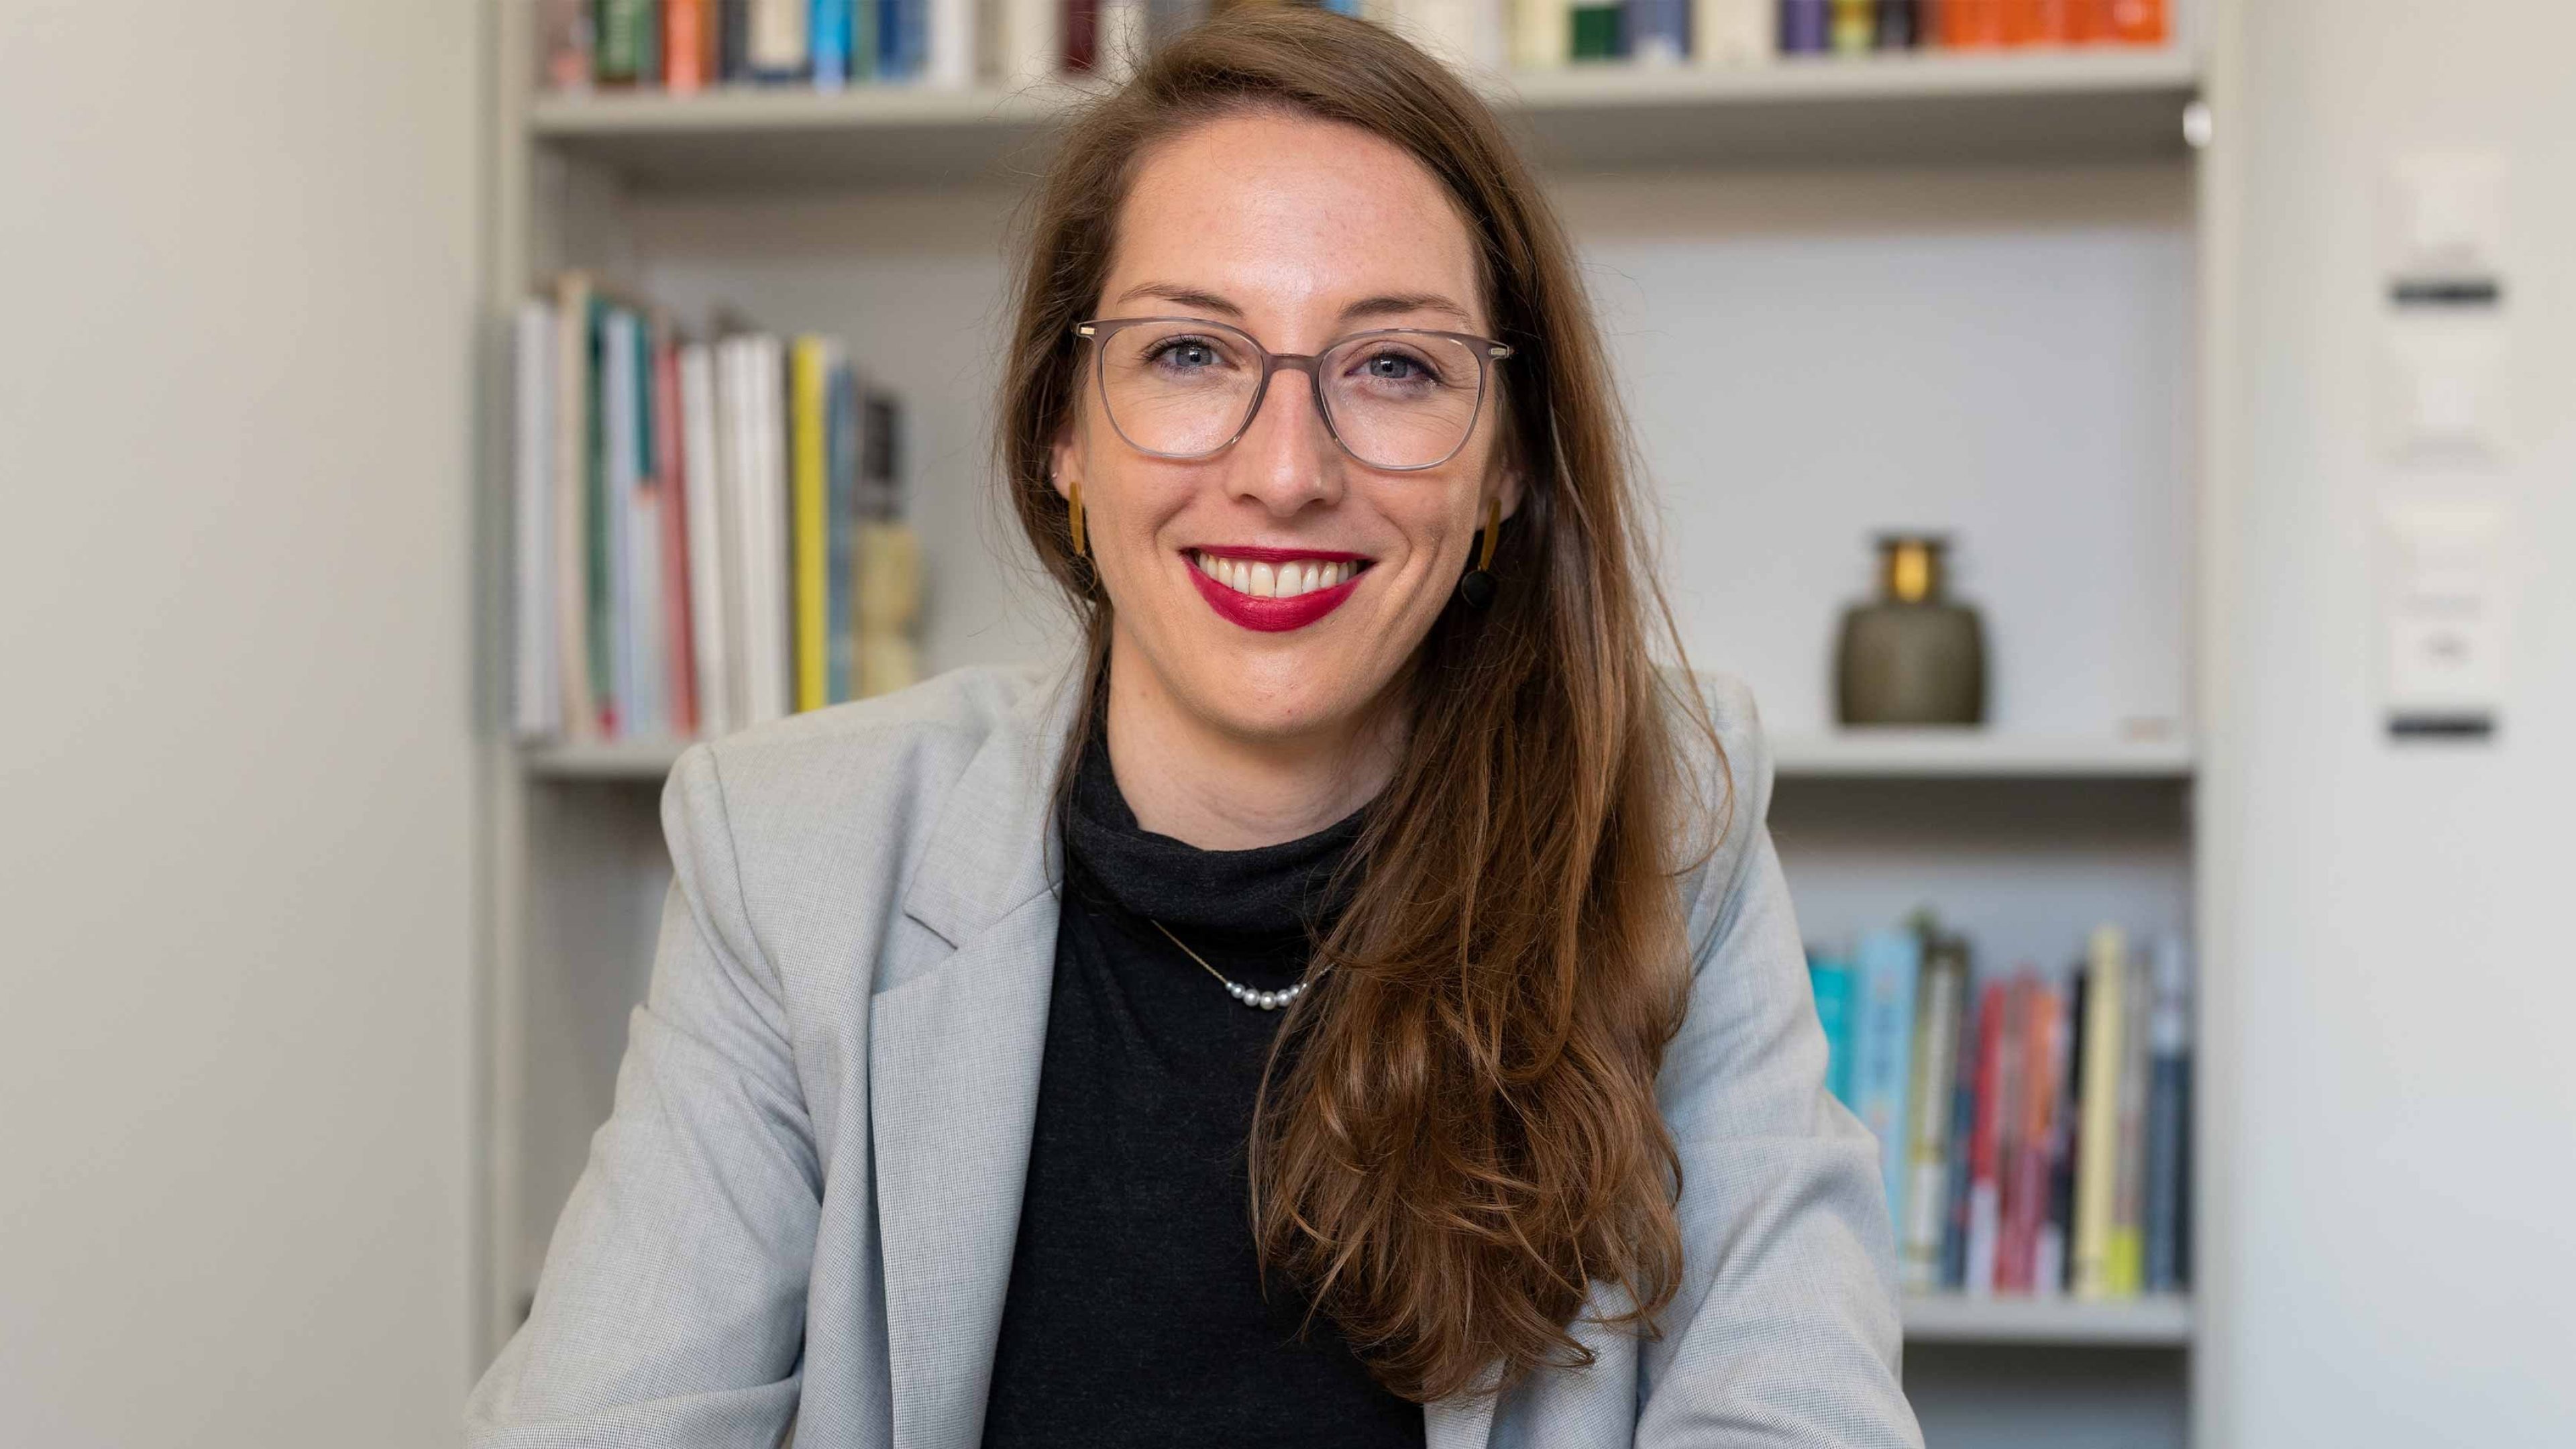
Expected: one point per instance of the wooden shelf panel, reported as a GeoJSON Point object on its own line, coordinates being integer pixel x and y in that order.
{"type": "Point", "coordinates": [2155, 1321]}
{"type": "Point", "coordinates": [2075, 105]}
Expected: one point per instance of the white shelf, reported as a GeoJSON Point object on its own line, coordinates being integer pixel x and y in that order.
{"type": "Point", "coordinates": [641, 760]}
{"type": "Point", "coordinates": [2156, 1321]}
{"type": "Point", "coordinates": [1887, 754]}
{"type": "Point", "coordinates": [2090, 104]}
{"type": "Point", "coordinates": [1934, 752]}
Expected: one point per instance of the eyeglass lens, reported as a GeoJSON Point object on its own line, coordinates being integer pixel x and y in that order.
{"type": "Point", "coordinates": [1399, 400]}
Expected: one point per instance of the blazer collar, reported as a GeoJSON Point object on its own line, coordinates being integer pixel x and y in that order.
{"type": "Point", "coordinates": [993, 847]}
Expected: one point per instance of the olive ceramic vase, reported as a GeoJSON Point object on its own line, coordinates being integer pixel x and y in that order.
{"type": "Point", "coordinates": [1911, 656]}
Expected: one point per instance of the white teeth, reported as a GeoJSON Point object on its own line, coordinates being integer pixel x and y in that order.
{"type": "Point", "coordinates": [1274, 581]}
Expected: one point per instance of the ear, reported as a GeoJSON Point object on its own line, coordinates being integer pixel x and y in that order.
{"type": "Point", "coordinates": [1064, 461]}
{"type": "Point", "coordinates": [1507, 491]}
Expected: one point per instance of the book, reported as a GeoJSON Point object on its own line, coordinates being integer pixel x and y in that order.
{"type": "Point", "coordinates": [564, 59]}
{"type": "Point", "coordinates": [710, 597]}
{"type": "Point", "coordinates": [1940, 999]}
{"type": "Point", "coordinates": [777, 41]}
{"type": "Point", "coordinates": [1959, 1179]}
{"type": "Point", "coordinates": [1897, 25]}
{"type": "Point", "coordinates": [951, 33]}
{"type": "Point", "coordinates": [2168, 1178]}
{"type": "Point", "coordinates": [1735, 32]}
{"type": "Point", "coordinates": [1806, 27]}
{"type": "Point", "coordinates": [1985, 1143]}
{"type": "Point", "coordinates": [2053, 1130]}
{"type": "Point", "coordinates": [841, 425]}
{"type": "Point", "coordinates": [829, 44]}
{"type": "Point", "coordinates": [1543, 33]}
{"type": "Point", "coordinates": [2096, 1165]}
{"type": "Point", "coordinates": [1885, 969]}
{"type": "Point", "coordinates": [1658, 31]}
{"type": "Point", "coordinates": [1023, 41]}
{"type": "Point", "coordinates": [677, 701]}
{"type": "Point", "coordinates": [1830, 979]}
{"type": "Point", "coordinates": [575, 396]}
{"type": "Point", "coordinates": [2124, 1269]}
{"type": "Point", "coordinates": [809, 366]}
{"type": "Point", "coordinates": [1852, 25]}
{"type": "Point", "coordinates": [619, 57]}
{"type": "Point", "coordinates": [1597, 32]}
{"type": "Point", "coordinates": [688, 45]}
{"type": "Point", "coordinates": [536, 699]}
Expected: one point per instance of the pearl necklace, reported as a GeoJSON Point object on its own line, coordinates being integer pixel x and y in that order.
{"type": "Point", "coordinates": [1265, 1000]}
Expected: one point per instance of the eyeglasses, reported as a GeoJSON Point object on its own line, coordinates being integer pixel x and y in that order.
{"type": "Point", "coordinates": [1398, 399]}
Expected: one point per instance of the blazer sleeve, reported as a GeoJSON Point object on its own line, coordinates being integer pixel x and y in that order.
{"type": "Point", "coordinates": [1785, 1330]}
{"type": "Point", "coordinates": [671, 1308]}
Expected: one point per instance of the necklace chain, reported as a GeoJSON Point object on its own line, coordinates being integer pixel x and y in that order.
{"type": "Point", "coordinates": [1263, 1000]}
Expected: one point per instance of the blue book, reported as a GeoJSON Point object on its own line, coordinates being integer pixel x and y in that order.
{"type": "Point", "coordinates": [2168, 1178]}
{"type": "Point", "coordinates": [1885, 971]}
{"type": "Point", "coordinates": [903, 38]}
{"type": "Point", "coordinates": [831, 41]}
{"type": "Point", "coordinates": [1806, 27]}
{"type": "Point", "coordinates": [618, 396]}
{"type": "Point", "coordinates": [1832, 981]}
{"type": "Point", "coordinates": [1658, 30]}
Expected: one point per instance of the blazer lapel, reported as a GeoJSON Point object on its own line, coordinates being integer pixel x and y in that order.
{"type": "Point", "coordinates": [953, 1057]}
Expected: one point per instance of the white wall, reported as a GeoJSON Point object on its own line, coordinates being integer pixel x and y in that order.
{"type": "Point", "coordinates": [2399, 1097]}
{"type": "Point", "coordinates": [237, 268]}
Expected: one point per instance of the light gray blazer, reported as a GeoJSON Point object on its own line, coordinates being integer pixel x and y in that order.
{"type": "Point", "coordinates": [800, 1213]}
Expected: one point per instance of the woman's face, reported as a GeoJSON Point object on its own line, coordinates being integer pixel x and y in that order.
{"type": "Point", "coordinates": [1298, 232]}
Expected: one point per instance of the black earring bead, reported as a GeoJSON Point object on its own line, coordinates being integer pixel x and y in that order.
{"type": "Point", "coordinates": [1477, 589]}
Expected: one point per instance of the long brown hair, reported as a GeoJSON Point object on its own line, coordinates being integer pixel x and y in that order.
{"type": "Point", "coordinates": [1465, 1138]}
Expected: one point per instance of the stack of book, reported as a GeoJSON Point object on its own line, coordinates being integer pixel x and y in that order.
{"type": "Point", "coordinates": [685, 46]}
{"type": "Point", "coordinates": [708, 532]}
{"type": "Point", "coordinates": [2033, 1130]}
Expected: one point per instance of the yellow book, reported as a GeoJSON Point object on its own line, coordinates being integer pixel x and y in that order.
{"type": "Point", "coordinates": [2097, 1147]}
{"type": "Point", "coordinates": [809, 369]}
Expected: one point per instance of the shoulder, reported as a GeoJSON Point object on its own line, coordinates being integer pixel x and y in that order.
{"type": "Point", "coordinates": [1725, 761]}
{"type": "Point", "coordinates": [867, 774]}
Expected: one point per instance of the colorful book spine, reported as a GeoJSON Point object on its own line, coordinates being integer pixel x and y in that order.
{"type": "Point", "coordinates": [564, 52]}
{"type": "Point", "coordinates": [2168, 1119]}
{"type": "Point", "coordinates": [733, 41]}
{"type": "Point", "coordinates": [688, 45]}
{"type": "Point", "coordinates": [2139, 22]}
{"type": "Point", "coordinates": [809, 366]}
{"type": "Point", "coordinates": [679, 698]}
{"type": "Point", "coordinates": [827, 30]}
{"type": "Point", "coordinates": [841, 506]}
{"type": "Point", "coordinates": [950, 36]}
{"type": "Point", "coordinates": [2096, 1167]}
{"type": "Point", "coordinates": [1831, 980]}
{"type": "Point", "coordinates": [1596, 31]}
{"type": "Point", "coordinates": [1960, 1179]}
{"type": "Point", "coordinates": [1885, 972]}
{"type": "Point", "coordinates": [1851, 25]}
{"type": "Point", "coordinates": [1939, 1002]}
{"type": "Point", "coordinates": [623, 36]}
{"type": "Point", "coordinates": [2052, 1198]}
{"type": "Point", "coordinates": [2125, 1266]}
{"type": "Point", "coordinates": [1806, 27]}
{"type": "Point", "coordinates": [1985, 1143]}
{"type": "Point", "coordinates": [710, 652]}
{"type": "Point", "coordinates": [1658, 31]}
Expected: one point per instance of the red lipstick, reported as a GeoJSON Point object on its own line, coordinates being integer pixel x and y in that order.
{"type": "Point", "coordinates": [1271, 616]}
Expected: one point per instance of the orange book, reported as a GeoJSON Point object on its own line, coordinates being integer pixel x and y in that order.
{"type": "Point", "coordinates": [2034, 22]}
{"type": "Point", "coordinates": [686, 45]}
{"type": "Point", "coordinates": [1969, 24]}
{"type": "Point", "coordinates": [2138, 22]}
{"type": "Point", "coordinates": [2087, 21]}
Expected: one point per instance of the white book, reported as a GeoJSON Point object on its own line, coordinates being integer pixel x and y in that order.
{"type": "Point", "coordinates": [951, 61]}
{"type": "Point", "coordinates": [703, 487]}
{"type": "Point", "coordinates": [536, 701]}
{"type": "Point", "coordinates": [1023, 42]}
{"type": "Point", "coordinates": [618, 424]}
{"type": "Point", "coordinates": [779, 41]}
{"type": "Point", "coordinates": [762, 418]}
{"type": "Point", "coordinates": [1735, 32]}
{"type": "Point", "coordinates": [1542, 33]}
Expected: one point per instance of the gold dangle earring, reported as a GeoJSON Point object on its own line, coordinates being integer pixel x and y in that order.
{"type": "Point", "coordinates": [1477, 588]}
{"type": "Point", "coordinates": [1073, 505]}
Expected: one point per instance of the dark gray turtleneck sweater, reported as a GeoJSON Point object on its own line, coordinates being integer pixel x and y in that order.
{"type": "Point", "coordinates": [1135, 1314]}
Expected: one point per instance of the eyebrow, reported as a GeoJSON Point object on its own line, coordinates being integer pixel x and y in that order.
{"type": "Point", "coordinates": [1385, 304]}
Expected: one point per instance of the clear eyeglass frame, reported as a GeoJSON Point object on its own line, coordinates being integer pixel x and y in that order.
{"type": "Point", "coordinates": [1486, 351]}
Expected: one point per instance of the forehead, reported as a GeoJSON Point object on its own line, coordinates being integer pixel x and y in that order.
{"type": "Point", "coordinates": [1288, 215]}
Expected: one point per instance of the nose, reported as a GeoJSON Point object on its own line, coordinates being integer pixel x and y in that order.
{"type": "Point", "coordinates": [1285, 459]}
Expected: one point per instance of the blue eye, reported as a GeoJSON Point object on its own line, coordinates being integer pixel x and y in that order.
{"type": "Point", "coordinates": [1184, 354]}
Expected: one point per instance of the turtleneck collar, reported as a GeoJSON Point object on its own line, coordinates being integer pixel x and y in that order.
{"type": "Point", "coordinates": [1269, 891]}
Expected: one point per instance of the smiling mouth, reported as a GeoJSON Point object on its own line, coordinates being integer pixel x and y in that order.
{"type": "Point", "coordinates": [1271, 590]}
{"type": "Point", "coordinates": [1284, 576]}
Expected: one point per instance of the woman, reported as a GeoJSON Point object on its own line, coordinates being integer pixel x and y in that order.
{"type": "Point", "coordinates": [1353, 1000]}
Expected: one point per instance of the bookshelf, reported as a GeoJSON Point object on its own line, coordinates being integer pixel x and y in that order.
{"type": "Point", "coordinates": [2052, 192]}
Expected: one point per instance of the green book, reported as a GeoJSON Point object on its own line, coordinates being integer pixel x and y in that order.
{"type": "Point", "coordinates": [1597, 32]}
